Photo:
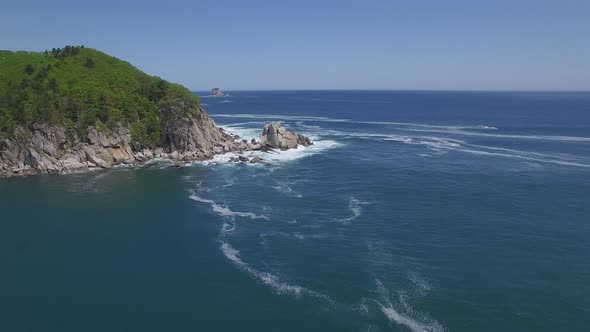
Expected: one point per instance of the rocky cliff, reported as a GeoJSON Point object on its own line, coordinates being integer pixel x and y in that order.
{"type": "Point", "coordinates": [187, 137]}
{"type": "Point", "coordinates": [46, 149]}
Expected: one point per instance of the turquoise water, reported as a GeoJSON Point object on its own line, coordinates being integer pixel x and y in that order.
{"type": "Point", "coordinates": [414, 211]}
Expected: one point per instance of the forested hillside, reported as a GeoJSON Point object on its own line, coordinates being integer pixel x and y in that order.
{"type": "Point", "coordinates": [79, 87]}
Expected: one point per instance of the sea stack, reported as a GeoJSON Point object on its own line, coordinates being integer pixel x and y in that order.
{"type": "Point", "coordinates": [275, 135]}
{"type": "Point", "coordinates": [216, 92]}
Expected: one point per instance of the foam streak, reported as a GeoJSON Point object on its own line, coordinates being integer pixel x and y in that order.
{"type": "Point", "coordinates": [354, 205]}
{"type": "Point", "coordinates": [224, 211]}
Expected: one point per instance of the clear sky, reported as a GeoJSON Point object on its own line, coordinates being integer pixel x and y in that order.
{"type": "Point", "coordinates": [388, 44]}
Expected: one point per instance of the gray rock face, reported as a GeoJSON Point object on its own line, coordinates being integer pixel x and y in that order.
{"type": "Point", "coordinates": [186, 132]}
{"type": "Point", "coordinates": [49, 139]}
{"type": "Point", "coordinates": [275, 135]}
{"type": "Point", "coordinates": [188, 136]}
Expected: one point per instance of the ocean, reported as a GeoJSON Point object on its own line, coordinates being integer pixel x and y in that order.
{"type": "Point", "coordinates": [413, 211]}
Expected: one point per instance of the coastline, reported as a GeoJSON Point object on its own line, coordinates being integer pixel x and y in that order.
{"type": "Point", "coordinates": [43, 152]}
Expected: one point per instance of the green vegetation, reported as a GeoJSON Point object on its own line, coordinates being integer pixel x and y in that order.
{"type": "Point", "coordinates": [77, 87]}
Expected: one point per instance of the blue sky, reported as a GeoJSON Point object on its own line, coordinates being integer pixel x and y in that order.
{"type": "Point", "coordinates": [236, 45]}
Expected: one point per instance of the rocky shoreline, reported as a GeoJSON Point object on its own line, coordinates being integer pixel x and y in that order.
{"type": "Point", "coordinates": [45, 149]}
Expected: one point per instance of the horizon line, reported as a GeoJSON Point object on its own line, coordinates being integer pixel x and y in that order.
{"type": "Point", "coordinates": [395, 90]}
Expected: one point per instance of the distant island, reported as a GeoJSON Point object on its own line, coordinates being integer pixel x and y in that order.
{"type": "Point", "coordinates": [216, 92]}
{"type": "Point", "coordinates": [73, 109]}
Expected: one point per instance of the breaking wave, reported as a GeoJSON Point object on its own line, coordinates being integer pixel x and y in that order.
{"type": "Point", "coordinates": [276, 157]}
{"type": "Point", "coordinates": [239, 129]}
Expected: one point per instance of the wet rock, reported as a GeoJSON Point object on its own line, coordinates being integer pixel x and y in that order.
{"type": "Point", "coordinates": [256, 160]}
{"type": "Point", "coordinates": [303, 140]}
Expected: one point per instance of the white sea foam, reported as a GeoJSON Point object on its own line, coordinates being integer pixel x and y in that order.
{"type": "Point", "coordinates": [522, 155]}
{"type": "Point", "coordinates": [556, 138]}
{"type": "Point", "coordinates": [227, 228]}
{"type": "Point", "coordinates": [414, 324]}
{"type": "Point", "coordinates": [160, 163]}
{"type": "Point", "coordinates": [239, 129]}
{"type": "Point", "coordinates": [299, 236]}
{"type": "Point", "coordinates": [199, 187]}
{"type": "Point", "coordinates": [283, 188]}
{"type": "Point", "coordinates": [355, 207]}
{"type": "Point", "coordinates": [312, 127]}
{"type": "Point", "coordinates": [225, 101]}
{"type": "Point", "coordinates": [464, 130]}
{"type": "Point", "coordinates": [421, 284]}
{"type": "Point", "coordinates": [225, 211]}
{"type": "Point", "coordinates": [280, 286]}
{"type": "Point", "coordinates": [274, 281]}
{"type": "Point", "coordinates": [276, 157]}
{"type": "Point", "coordinates": [425, 127]}
{"type": "Point", "coordinates": [434, 143]}
{"type": "Point", "coordinates": [402, 125]}
{"type": "Point", "coordinates": [398, 318]}
{"type": "Point", "coordinates": [445, 144]}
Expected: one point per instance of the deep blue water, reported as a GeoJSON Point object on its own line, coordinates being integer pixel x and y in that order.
{"type": "Point", "coordinates": [414, 211]}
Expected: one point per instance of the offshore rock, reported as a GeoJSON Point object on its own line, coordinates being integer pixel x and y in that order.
{"type": "Point", "coordinates": [216, 92]}
{"type": "Point", "coordinates": [256, 160]}
{"type": "Point", "coordinates": [275, 135]}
